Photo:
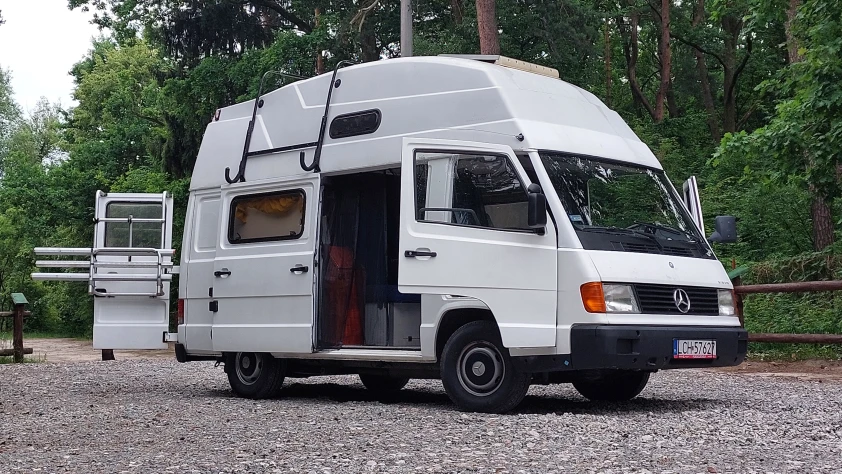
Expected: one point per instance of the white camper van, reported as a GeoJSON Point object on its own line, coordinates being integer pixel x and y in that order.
{"type": "Point", "coordinates": [473, 219]}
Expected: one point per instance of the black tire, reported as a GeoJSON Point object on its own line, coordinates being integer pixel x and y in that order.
{"type": "Point", "coordinates": [383, 384]}
{"type": "Point", "coordinates": [254, 374]}
{"type": "Point", "coordinates": [611, 385]}
{"type": "Point", "coordinates": [477, 371]}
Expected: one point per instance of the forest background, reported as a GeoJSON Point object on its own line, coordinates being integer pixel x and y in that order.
{"type": "Point", "coordinates": [746, 95]}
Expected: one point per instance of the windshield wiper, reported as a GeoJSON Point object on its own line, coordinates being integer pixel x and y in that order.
{"type": "Point", "coordinates": [671, 230]}
{"type": "Point", "coordinates": [691, 238]}
{"type": "Point", "coordinates": [622, 231]}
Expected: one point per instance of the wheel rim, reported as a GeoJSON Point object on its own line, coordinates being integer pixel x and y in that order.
{"type": "Point", "coordinates": [481, 369]}
{"type": "Point", "coordinates": [248, 367]}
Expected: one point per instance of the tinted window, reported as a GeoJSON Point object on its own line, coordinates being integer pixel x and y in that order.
{"type": "Point", "coordinates": [357, 123]}
{"type": "Point", "coordinates": [473, 190]}
{"type": "Point", "coordinates": [268, 216]}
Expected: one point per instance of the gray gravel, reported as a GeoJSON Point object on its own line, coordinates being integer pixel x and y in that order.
{"type": "Point", "coordinates": [161, 416]}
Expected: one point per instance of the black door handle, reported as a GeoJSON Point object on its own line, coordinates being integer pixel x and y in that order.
{"type": "Point", "coordinates": [220, 273]}
{"type": "Point", "coordinates": [419, 253]}
{"type": "Point", "coordinates": [299, 269]}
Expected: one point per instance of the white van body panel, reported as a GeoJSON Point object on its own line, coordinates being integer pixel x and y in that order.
{"type": "Point", "coordinates": [485, 264]}
{"type": "Point", "coordinates": [201, 235]}
{"type": "Point", "coordinates": [433, 97]}
{"type": "Point", "coordinates": [263, 306]}
{"type": "Point", "coordinates": [530, 283]}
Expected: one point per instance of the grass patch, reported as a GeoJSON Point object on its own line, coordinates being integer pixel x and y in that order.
{"type": "Point", "coordinates": [39, 335]}
{"type": "Point", "coordinates": [780, 352]}
{"type": "Point", "coordinates": [27, 359]}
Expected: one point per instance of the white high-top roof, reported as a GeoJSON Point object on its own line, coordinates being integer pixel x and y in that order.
{"type": "Point", "coordinates": [432, 97]}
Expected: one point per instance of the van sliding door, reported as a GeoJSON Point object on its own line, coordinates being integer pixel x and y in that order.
{"type": "Point", "coordinates": [464, 232]}
{"type": "Point", "coordinates": [263, 270]}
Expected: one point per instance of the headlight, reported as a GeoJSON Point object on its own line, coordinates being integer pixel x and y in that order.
{"type": "Point", "coordinates": [726, 303]}
{"type": "Point", "coordinates": [620, 299]}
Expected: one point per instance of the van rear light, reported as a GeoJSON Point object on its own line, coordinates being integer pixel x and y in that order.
{"type": "Point", "coordinates": [180, 315]}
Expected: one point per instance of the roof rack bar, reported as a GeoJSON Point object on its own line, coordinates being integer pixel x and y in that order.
{"type": "Point", "coordinates": [509, 63]}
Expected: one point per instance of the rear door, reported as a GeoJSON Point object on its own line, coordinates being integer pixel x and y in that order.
{"type": "Point", "coordinates": [263, 273]}
{"type": "Point", "coordinates": [464, 232]}
{"type": "Point", "coordinates": [131, 270]}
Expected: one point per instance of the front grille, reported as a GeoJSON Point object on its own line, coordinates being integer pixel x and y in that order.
{"type": "Point", "coordinates": [652, 248]}
{"type": "Point", "coordinates": [659, 299]}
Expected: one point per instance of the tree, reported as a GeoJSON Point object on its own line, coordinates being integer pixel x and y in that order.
{"type": "Point", "coordinates": [10, 113]}
{"type": "Point", "coordinates": [119, 122]}
{"type": "Point", "coordinates": [803, 139]}
{"type": "Point", "coordinates": [489, 42]}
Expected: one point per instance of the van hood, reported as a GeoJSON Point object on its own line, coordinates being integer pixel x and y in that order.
{"type": "Point", "coordinates": [628, 267]}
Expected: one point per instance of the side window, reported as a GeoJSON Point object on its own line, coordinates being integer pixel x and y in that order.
{"type": "Point", "coordinates": [470, 189]}
{"type": "Point", "coordinates": [136, 233]}
{"type": "Point", "coordinates": [206, 230]}
{"type": "Point", "coordinates": [266, 217]}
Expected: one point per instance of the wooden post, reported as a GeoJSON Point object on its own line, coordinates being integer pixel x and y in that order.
{"type": "Point", "coordinates": [17, 327]}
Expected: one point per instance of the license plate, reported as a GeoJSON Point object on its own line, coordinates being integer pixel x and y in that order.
{"type": "Point", "coordinates": [693, 349]}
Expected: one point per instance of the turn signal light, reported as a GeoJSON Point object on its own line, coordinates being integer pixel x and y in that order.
{"type": "Point", "coordinates": [592, 297]}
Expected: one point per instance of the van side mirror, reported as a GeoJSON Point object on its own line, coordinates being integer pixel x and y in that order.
{"type": "Point", "coordinates": [725, 230]}
{"type": "Point", "coordinates": [537, 207]}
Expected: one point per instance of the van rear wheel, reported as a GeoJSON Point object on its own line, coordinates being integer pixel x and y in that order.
{"type": "Point", "coordinates": [383, 384]}
{"type": "Point", "coordinates": [254, 374]}
{"type": "Point", "coordinates": [477, 371]}
{"type": "Point", "coordinates": [611, 385]}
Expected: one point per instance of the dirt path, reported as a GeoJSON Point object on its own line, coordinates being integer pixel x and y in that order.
{"type": "Point", "coordinates": [76, 350]}
{"type": "Point", "coordinates": [809, 370]}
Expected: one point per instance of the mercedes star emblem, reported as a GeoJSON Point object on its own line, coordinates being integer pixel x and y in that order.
{"type": "Point", "coordinates": [682, 300]}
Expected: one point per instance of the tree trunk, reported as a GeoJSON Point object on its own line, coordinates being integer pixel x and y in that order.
{"type": "Point", "coordinates": [320, 60]}
{"type": "Point", "coordinates": [368, 43]}
{"type": "Point", "coordinates": [791, 41]}
{"type": "Point", "coordinates": [607, 58]}
{"type": "Point", "coordinates": [489, 41]}
{"type": "Point", "coordinates": [704, 78]}
{"type": "Point", "coordinates": [630, 35]}
{"type": "Point", "coordinates": [820, 210]}
{"type": "Point", "coordinates": [666, 60]}
{"type": "Point", "coordinates": [457, 11]}
{"type": "Point", "coordinates": [672, 103]}
{"type": "Point", "coordinates": [731, 26]}
{"type": "Point", "coordinates": [822, 221]}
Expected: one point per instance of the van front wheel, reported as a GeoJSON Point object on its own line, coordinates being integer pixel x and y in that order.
{"type": "Point", "coordinates": [611, 385]}
{"type": "Point", "coordinates": [254, 374]}
{"type": "Point", "coordinates": [477, 371]}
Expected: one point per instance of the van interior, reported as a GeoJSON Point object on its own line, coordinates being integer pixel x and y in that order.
{"type": "Point", "coordinates": [359, 302]}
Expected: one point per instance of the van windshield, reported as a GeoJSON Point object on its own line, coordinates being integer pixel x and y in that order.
{"type": "Point", "coordinates": [623, 207]}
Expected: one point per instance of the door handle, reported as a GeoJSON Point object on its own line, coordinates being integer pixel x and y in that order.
{"type": "Point", "coordinates": [299, 269]}
{"type": "Point", "coordinates": [222, 273]}
{"type": "Point", "coordinates": [419, 253]}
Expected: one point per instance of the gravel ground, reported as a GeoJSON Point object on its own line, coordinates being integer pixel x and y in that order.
{"type": "Point", "coordinates": [160, 416]}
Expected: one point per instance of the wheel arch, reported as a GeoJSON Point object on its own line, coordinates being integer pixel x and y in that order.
{"type": "Point", "coordinates": [452, 319]}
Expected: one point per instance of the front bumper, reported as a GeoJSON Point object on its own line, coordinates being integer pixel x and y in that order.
{"type": "Point", "coordinates": [639, 348]}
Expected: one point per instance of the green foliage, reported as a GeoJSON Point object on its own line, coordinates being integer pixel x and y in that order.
{"type": "Point", "coordinates": [804, 135]}
{"type": "Point", "coordinates": [147, 91]}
